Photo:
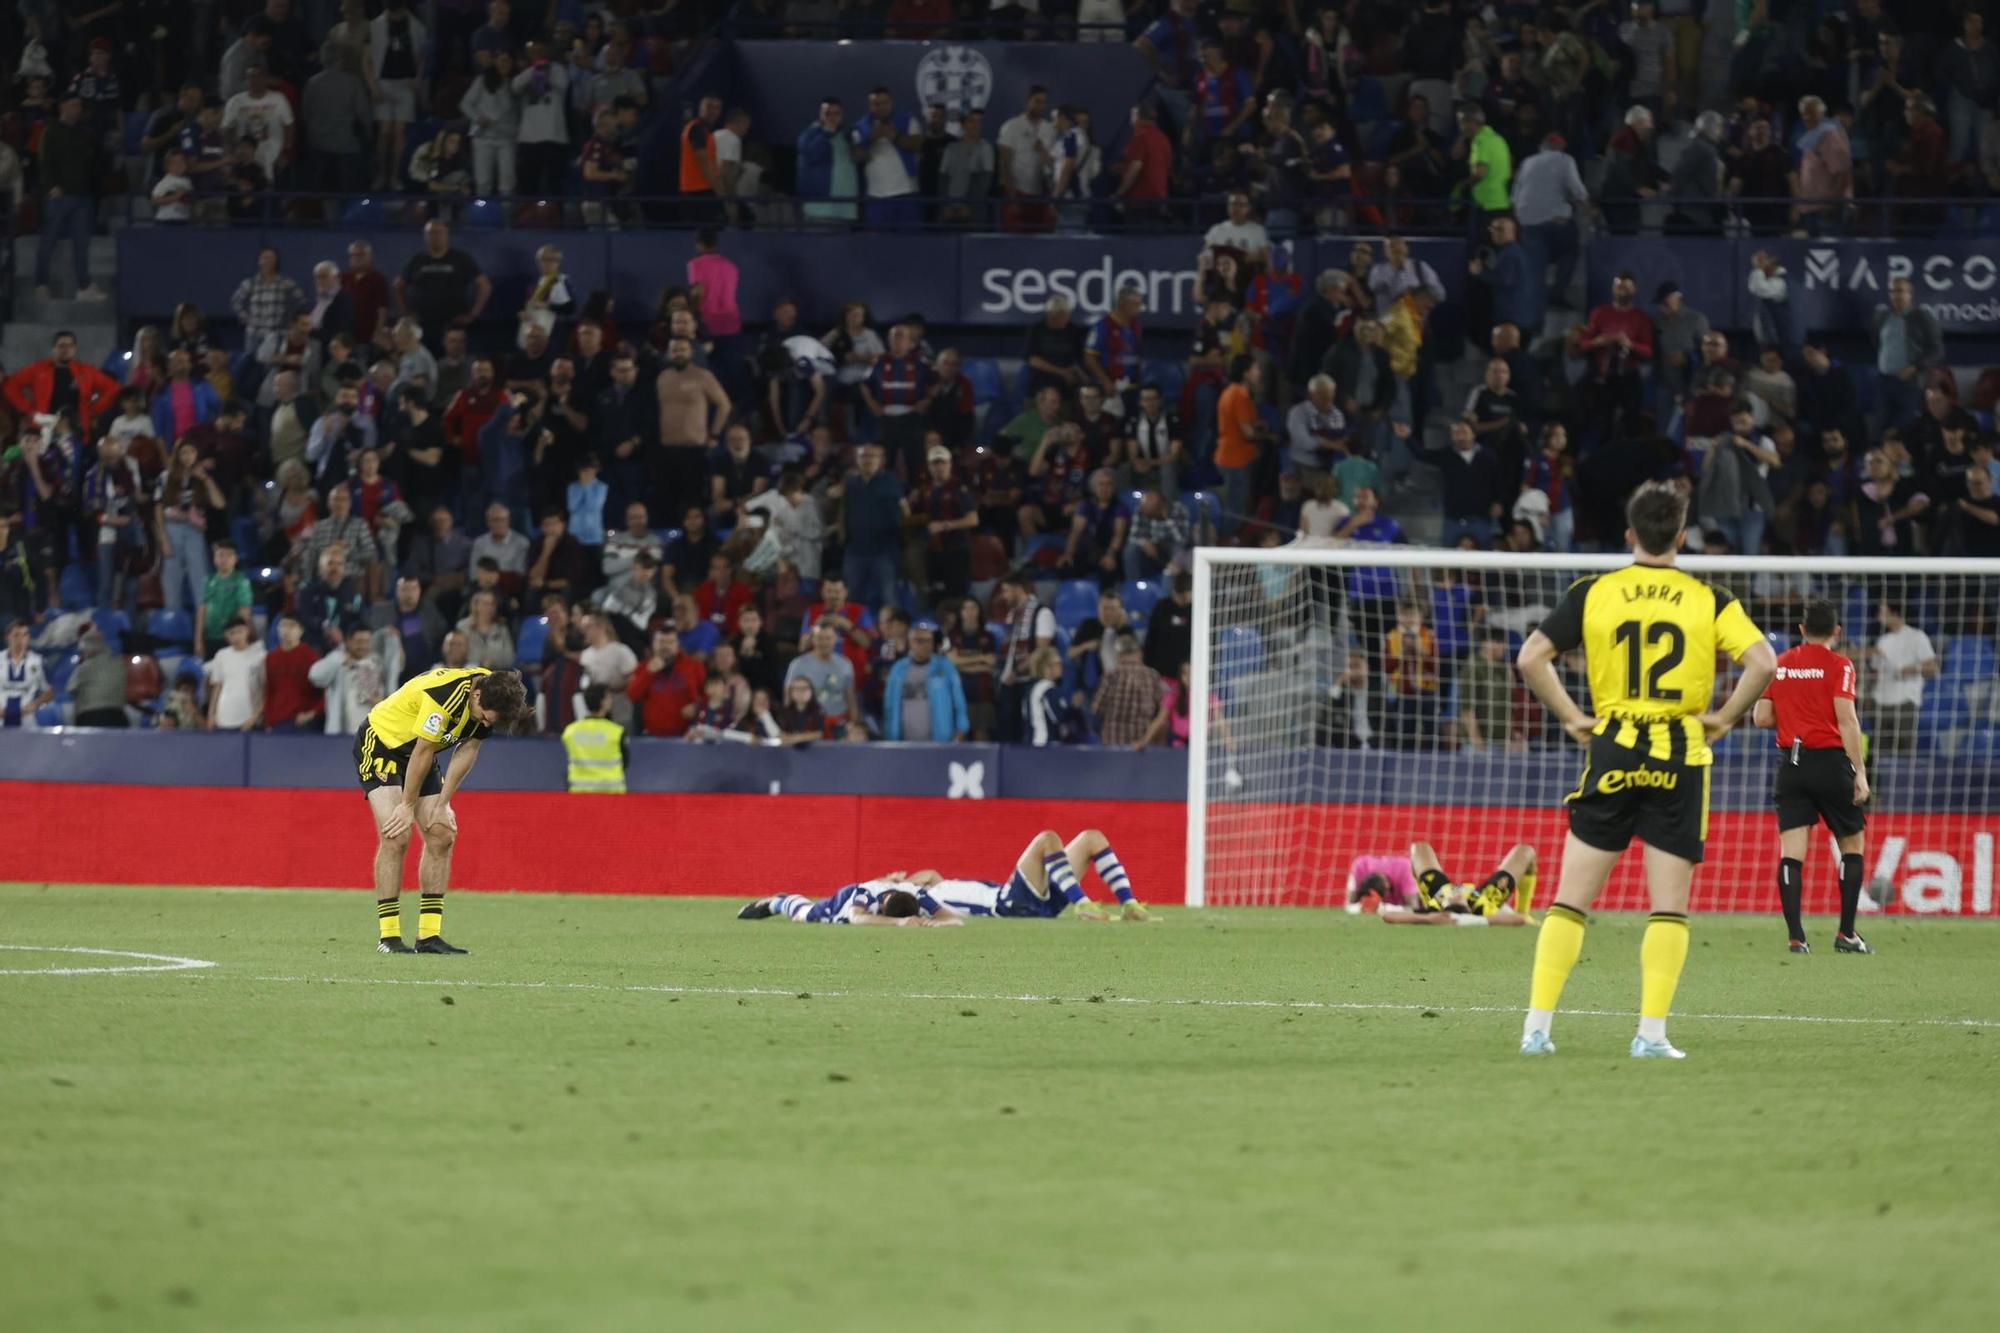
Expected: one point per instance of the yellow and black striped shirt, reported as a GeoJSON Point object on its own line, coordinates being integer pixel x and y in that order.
{"type": "Point", "coordinates": [1650, 634]}
{"type": "Point", "coordinates": [435, 706]}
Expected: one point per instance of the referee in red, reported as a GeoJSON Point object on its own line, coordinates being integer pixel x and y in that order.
{"type": "Point", "coordinates": [1820, 771]}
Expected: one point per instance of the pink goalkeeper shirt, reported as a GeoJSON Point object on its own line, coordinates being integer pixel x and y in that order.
{"type": "Point", "coordinates": [717, 277]}
{"type": "Point", "coordinates": [1395, 869]}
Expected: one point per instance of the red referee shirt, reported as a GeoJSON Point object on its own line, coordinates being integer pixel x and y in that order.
{"type": "Point", "coordinates": [1810, 677]}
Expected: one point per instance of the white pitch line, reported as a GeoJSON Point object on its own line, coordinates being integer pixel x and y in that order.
{"type": "Point", "coordinates": [168, 962]}
{"type": "Point", "coordinates": [1342, 1006]}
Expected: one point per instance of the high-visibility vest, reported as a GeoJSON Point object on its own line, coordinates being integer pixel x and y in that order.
{"type": "Point", "coordinates": [596, 758]}
{"type": "Point", "coordinates": [691, 179]}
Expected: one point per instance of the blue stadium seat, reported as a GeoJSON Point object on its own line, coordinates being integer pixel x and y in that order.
{"type": "Point", "coordinates": [1141, 596]}
{"type": "Point", "coordinates": [73, 585]}
{"type": "Point", "coordinates": [113, 624]}
{"type": "Point", "coordinates": [528, 644]}
{"type": "Point", "coordinates": [171, 627]}
{"type": "Point", "coordinates": [1969, 657]}
{"type": "Point", "coordinates": [1378, 139]}
{"type": "Point", "coordinates": [135, 131]}
{"type": "Point", "coordinates": [1370, 101]}
{"type": "Point", "coordinates": [1239, 653]}
{"type": "Point", "coordinates": [118, 363]}
{"type": "Point", "coordinates": [49, 715]}
{"type": "Point", "coordinates": [1076, 602]}
{"type": "Point", "coordinates": [983, 373]}
{"type": "Point", "coordinates": [1169, 374]}
{"type": "Point", "coordinates": [59, 674]}
{"type": "Point", "coordinates": [483, 215]}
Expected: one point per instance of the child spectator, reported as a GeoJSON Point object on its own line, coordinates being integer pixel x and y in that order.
{"type": "Point", "coordinates": [236, 681]}
{"type": "Point", "coordinates": [586, 497]}
{"type": "Point", "coordinates": [291, 701]}
{"type": "Point", "coordinates": [799, 719]}
{"type": "Point", "coordinates": [1051, 718]}
{"type": "Point", "coordinates": [715, 715]}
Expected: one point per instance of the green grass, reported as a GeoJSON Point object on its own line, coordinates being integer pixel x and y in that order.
{"type": "Point", "coordinates": [272, 1144]}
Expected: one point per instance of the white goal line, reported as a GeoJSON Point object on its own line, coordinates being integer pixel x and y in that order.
{"type": "Point", "coordinates": [966, 997]}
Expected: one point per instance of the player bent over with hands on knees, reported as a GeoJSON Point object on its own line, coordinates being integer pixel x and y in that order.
{"type": "Point", "coordinates": [926, 898]}
{"type": "Point", "coordinates": [1649, 634]}
{"type": "Point", "coordinates": [1821, 775]}
{"type": "Point", "coordinates": [1415, 891]}
{"type": "Point", "coordinates": [395, 755]}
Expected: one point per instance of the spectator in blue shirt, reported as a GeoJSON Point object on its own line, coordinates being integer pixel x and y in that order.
{"type": "Point", "coordinates": [1512, 274]}
{"type": "Point", "coordinates": [923, 698]}
{"type": "Point", "coordinates": [825, 169]}
{"type": "Point", "coordinates": [872, 510]}
{"type": "Point", "coordinates": [697, 636]}
{"type": "Point", "coordinates": [884, 145]}
{"type": "Point", "coordinates": [586, 497]}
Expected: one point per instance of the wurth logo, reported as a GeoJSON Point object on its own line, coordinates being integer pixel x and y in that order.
{"type": "Point", "coordinates": [1801, 673]}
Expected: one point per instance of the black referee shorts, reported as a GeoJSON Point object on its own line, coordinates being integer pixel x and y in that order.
{"type": "Point", "coordinates": [1626, 794]}
{"type": "Point", "coordinates": [378, 765]}
{"type": "Point", "coordinates": [1819, 786]}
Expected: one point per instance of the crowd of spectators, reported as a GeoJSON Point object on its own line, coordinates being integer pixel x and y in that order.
{"type": "Point", "coordinates": [815, 525]}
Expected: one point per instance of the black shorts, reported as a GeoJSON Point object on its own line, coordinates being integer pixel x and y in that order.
{"type": "Point", "coordinates": [1626, 794]}
{"type": "Point", "coordinates": [1819, 786]}
{"type": "Point", "coordinates": [378, 765]}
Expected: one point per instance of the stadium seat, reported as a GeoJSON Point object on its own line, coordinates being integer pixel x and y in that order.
{"type": "Point", "coordinates": [59, 674]}
{"type": "Point", "coordinates": [483, 215]}
{"type": "Point", "coordinates": [170, 627]}
{"type": "Point", "coordinates": [1969, 657]}
{"type": "Point", "coordinates": [113, 624]}
{"type": "Point", "coordinates": [1076, 602]}
{"type": "Point", "coordinates": [73, 585]}
{"type": "Point", "coordinates": [1370, 102]}
{"type": "Point", "coordinates": [142, 680]}
{"type": "Point", "coordinates": [983, 373]}
{"type": "Point", "coordinates": [1141, 596]}
{"type": "Point", "coordinates": [1170, 375]}
{"type": "Point", "coordinates": [1240, 653]}
{"type": "Point", "coordinates": [534, 636]}
{"type": "Point", "coordinates": [49, 715]}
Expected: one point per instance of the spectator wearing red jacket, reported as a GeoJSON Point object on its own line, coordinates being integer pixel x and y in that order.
{"type": "Point", "coordinates": [471, 408]}
{"type": "Point", "coordinates": [1618, 340]}
{"type": "Point", "coordinates": [291, 701]}
{"type": "Point", "coordinates": [59, 383]}
{"type": "Point", "coordinates": [722, 598]}
{"type": "Point", "coordinates": [1143, 171]}
{"type": "Point", "coordinates": [666, 689]}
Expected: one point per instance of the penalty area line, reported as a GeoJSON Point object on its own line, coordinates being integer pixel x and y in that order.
{"type": "Point", "coordinates": [1325, 1006]}
{"type": "Point", "coordinates": [151, 962]}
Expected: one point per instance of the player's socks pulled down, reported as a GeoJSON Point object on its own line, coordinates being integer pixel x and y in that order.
{"type": "Point", "coordinates": [1112, 871]}
{"type": "Point", "coordinates": [1558, 945]}
{"type": "Point", "coordinates": [1663, 952]}
{"type": "Point", "coordinates": [1850, 890]}
{"type": "Point", "coordinates": [1791, 888]}
{"type": "Point", "coordinates": [1060, 878]}
{"type": "Point", "coordinates": [389, 918]}
{"type": "Point", "coordinates": [430, 916]}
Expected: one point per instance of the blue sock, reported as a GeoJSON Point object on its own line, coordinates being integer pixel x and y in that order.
{"type": "Point", "coordinates": [1057, 865]}
{"type": "Point", "coordinates": [1112, 872]}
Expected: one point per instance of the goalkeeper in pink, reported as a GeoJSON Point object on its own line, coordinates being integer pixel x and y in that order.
{"type": "Point", "coordinates": [1415, 890]}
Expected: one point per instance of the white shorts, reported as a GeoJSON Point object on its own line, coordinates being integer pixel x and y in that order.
{"type": "Point", "coordinates": [399, 101]}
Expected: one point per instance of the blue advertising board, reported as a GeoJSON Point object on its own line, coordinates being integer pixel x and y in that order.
{"type": "Point", "coordinates": [1834, 286]}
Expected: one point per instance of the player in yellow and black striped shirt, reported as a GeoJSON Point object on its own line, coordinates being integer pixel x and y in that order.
{"type": "Point", "coordinates": [395, 756]}
{"type": "Point", "coordinates": [1649, 634]}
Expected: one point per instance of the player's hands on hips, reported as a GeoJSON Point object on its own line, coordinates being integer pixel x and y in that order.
{"type": "Point", "coordinates": [1714, 728]}
{"type": "Point", "coordinates": [399, 821]}
{"type": "Point", "coordinates": [1581, 730]}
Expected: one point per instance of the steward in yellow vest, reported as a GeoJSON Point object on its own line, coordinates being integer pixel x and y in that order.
{"type": "Point", "coordinates": [596, 747]}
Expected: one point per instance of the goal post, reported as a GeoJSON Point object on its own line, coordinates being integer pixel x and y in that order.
{"type": "Point", "coordinates": [1361, 698]}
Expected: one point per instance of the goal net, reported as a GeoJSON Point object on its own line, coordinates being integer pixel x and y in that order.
{"type": "Point", "coordinates": [1361, 698]}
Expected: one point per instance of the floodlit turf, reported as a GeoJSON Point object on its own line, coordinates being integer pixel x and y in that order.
{"type": "Point", "coordinates": [644, 1114]}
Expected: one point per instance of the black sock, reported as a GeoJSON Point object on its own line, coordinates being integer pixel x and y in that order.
{"type": "Point", "coordinates": [1791, 879]}
{"type": "Point", "coordinates": [1850, 890]}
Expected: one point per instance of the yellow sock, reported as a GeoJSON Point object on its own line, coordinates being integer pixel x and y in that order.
{"type": "Point", "coordinates": [1662, 953]}
{"type": "Point", "coordinates": [1524, 893]}
{"type": "Point", "coordinates": [1558, 945]}
{"type": "Point", "coordinates": [430, 916]}
{"type": "Point", "coordinates": [389, 917]}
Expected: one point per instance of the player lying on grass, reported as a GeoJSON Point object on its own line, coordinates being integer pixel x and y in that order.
{"type": "Point", "coordinates": [927, 898]}
{"type": "Point", "coordinates": [1414, 890]}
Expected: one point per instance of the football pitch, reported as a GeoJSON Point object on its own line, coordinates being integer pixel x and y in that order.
{"type": "Point", "coordinates": [645, 1114]}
